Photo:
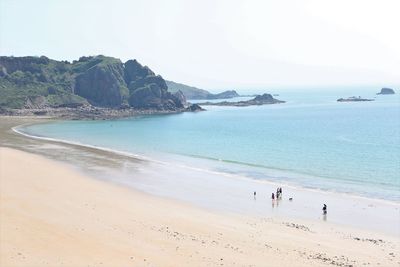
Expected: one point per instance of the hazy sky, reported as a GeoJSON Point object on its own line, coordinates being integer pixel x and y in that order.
{"type": "Point", "coordinates": [218, 44]}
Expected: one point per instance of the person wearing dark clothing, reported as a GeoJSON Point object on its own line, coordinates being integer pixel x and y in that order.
{"type": "Point", "coordinates": [324, 209]}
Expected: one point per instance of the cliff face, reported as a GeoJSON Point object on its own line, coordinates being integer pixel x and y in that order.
{"type": "Point", "coordinates": [134, 71]}
{"type": "Point", "coordinates": [39, 82]}
{"type": "Point", "coordinates": [146, 90]}
{"type": "Point", "coordinates": [181, 97]}
{"type": "Point", "coordinates": [103, 84]}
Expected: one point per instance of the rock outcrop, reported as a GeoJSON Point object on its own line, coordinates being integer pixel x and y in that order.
{"type": "Point", "coordinates": [194, 108]}
{"type": "Point", "coordinates": [264, 99]}
{"type": "Point", "coordinates": [386, 91]}
{"type": "Point", "coordinates": [134, 71]}
{"type": "Point", "coordinates": [354, 99]}
{"type": "Point", "coordinates": [181, 97]}
{"type": "Point", "coordinates": [146, 90]}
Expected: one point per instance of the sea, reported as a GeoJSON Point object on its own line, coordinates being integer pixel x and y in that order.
{"type": "Point", "coordinates": [311, 141]}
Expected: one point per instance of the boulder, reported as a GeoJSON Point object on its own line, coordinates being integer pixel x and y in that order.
{"type": "Point", "coordinates": [194, 108]}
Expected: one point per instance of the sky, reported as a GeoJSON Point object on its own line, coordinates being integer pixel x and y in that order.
{"type": "Point", "coordinates": [215, 44]}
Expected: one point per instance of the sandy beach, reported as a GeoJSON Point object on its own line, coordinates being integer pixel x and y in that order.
{"type": "Point", "coordinates": [199, 133]}
{"type": "Point", "coordinates": [52, 215]}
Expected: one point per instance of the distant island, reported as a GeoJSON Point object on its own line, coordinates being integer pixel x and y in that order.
{"type": "Point", "coordinates": [195, 93]}
{"type": "Point", "coordinates": [264, 99]}
{"type": "Point", "coordinates": [93, 86]}
{"type": "Point", "coordinates": [354, 99]}
{"type": "Point", "coordinates": [386, 91]}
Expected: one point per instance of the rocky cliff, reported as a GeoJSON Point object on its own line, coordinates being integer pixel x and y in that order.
{"type": "Point", "coordinates": [147, 90]}
{"type": "Point", "coordinates": [103, 83]}
{"type": "Point", "coordinates": [100, 81]}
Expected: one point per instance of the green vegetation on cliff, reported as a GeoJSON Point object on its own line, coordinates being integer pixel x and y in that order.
{"type": "Point", "coordinates": [191, 92]}
{"type": "Point", "coordinates": [33, 82]}
{"type": "Point", "coordinates": [40, 82]}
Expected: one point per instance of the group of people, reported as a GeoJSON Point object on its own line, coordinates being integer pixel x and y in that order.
{"type": "Point", "coordinates": [278, 196]}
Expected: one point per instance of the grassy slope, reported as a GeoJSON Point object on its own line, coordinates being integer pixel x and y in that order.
{"type": "Point", "coordinates": [189, 91]}
{"type": "Point", "coordinates": [52, 80]}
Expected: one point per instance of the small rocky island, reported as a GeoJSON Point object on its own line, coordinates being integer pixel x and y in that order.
{"type": "Point", "coordinates": [386, 91]}
{"type": "Point", "coordinates": [354, 99]}
{"type": "Point", "coordinates": [264, 99]}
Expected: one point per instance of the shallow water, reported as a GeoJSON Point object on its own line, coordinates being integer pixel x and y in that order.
{"type": "Point", "coordinates": [311, 141]}
{"type": "Point", "coordinates": [225, 191]}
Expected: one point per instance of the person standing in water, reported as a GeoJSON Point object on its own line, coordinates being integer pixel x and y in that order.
{"type": "Point", "coordinates": [324, 209]}
{"type": "Point", "coordinates": [273, 196]}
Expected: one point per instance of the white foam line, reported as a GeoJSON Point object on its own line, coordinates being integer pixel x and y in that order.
{"type": "Point", "coordinates": [127, 154]}
{"type": "Point", "coordinates": [119, 152]}
{"type": "Point", "coordinates": [136, 156]}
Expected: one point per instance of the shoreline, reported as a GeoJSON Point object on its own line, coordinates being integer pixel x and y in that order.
{"type": "Point", "coordinates": [59, 217]}
{"type": "Point", "coordinates": [164, 189]}
{"type": "Point", "coordinates": [143, 157]}
{"type": "Point", "coordinates": [85, 113]}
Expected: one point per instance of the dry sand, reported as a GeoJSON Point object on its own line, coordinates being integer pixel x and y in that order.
{"type": "Point", "coordinates": [51, 215]}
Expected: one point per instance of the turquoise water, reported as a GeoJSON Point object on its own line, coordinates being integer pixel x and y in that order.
{"type": "Point", "coordinates": [310, 141]}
